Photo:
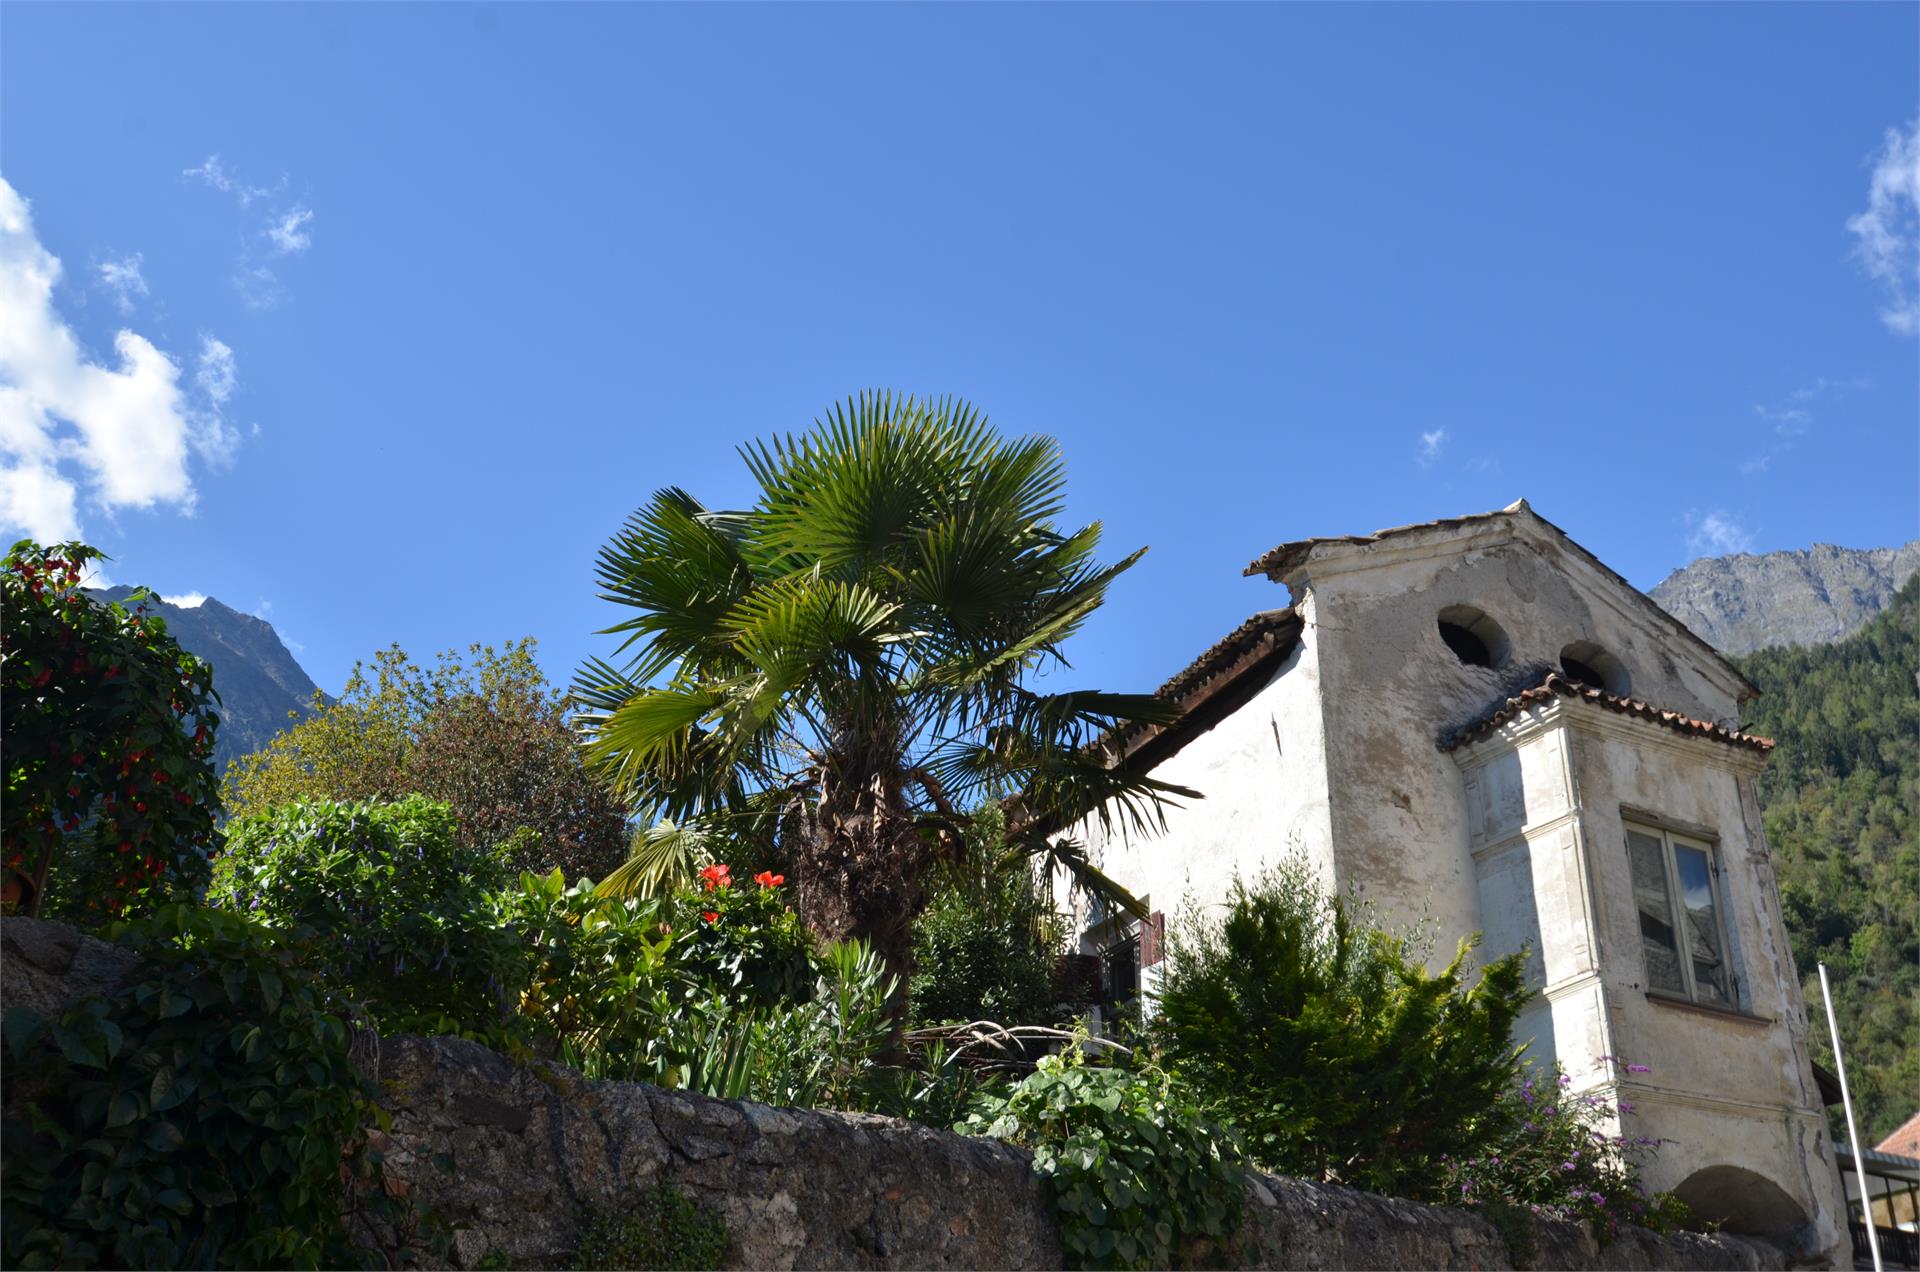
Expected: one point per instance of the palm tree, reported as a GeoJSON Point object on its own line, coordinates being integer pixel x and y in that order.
{"type": "Point", "coordinates": [842, 669]}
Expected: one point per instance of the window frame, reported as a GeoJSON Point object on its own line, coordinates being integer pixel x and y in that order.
{"type": "Point", "coordinates": [1678, 920]}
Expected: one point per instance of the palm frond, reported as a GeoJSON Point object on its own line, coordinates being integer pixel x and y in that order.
{"type": "Point", "coordinates": [664, 856]}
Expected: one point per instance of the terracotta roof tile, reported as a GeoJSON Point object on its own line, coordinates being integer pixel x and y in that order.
{"type": "Point", "coordinates": [1224, 652]}
{"type": "Point", "coordinates": [1556, 685]}
{"type": "Point", "coordinates": [1253, 645]}
{"type": "Point", "coordinates": [1905, 1141]}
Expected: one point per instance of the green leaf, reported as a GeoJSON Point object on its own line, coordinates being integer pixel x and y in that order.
{"type": "Point", "coordinates": [125, 1107]}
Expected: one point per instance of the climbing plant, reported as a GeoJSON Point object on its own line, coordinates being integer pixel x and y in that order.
{"type": "Point", "coordinates": [1137, 1175]}
{"type": "Point", "coordinates": [208, 1116]}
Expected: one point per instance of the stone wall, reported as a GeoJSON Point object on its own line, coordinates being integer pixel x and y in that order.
{"type": "Point", "coordinates": [519, 1156]}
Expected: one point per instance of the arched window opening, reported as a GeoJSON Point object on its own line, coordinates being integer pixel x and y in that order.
{"type": "Point", "coordinates": [1474, 638]}
{"type": "Point", "coordinates": [1592, 665]}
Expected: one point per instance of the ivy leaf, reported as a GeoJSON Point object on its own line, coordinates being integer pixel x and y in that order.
{"type": "Point", "coordinates": [125, 1107]}
{"type": "Point", "coordinates": [21, 1026]}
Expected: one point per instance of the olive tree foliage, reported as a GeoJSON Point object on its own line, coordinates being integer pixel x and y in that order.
{"type": "Point", "coordinates": [485, 733]}
{"type": "Point", "coordinates": [842, 667]}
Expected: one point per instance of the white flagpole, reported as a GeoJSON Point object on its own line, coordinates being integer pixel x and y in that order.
{"type": "Point", "coordinates": [1853, 1132]}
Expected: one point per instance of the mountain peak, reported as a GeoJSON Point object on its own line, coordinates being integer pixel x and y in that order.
{"type": "Point", "coordinates": [1800, 596]}
{"type": "Point", "coordinates": [258, 681]}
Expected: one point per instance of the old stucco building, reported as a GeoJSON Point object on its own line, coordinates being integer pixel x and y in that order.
{"type": "Point", "coordinates": [1478, 720]}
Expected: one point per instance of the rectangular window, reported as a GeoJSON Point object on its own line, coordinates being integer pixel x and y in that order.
{"type": "Point", "coordinates": [1681, 934]}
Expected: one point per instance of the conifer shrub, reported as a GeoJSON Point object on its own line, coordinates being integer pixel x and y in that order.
{"type": "Point", "coordinates": [1323, 1039]}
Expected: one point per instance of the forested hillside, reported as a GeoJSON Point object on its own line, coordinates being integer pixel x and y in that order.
{"type": "Point", "coordinates": [1839, 794]}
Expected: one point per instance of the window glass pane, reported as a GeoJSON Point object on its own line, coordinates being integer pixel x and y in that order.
{"type": "Point", "coordinates": [1705, 946]}
{"type": "Point", "coordinates": [1648, 858]}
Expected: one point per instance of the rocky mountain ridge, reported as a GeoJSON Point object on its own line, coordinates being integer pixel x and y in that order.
{"type": "Point", "coordinates": [1807, 596]}
{"type": "Point", "coordinates": [256, 676]}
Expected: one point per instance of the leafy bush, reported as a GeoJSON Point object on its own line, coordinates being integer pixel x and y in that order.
{"type": "Point", "coordinates": [198, 1120]}
{"type": "Point", "coordinates": [716, 990]}
{"type": "Point", "coordinates": [109, 725]}
{"type": "Point", "coordinates": [984, 947]}
{"type": "Point", "coordinates": [1136, 1175]}
{"type": "Point", "coordinates": [601, 979]}
{"type": "Point", "coordinates": [818, 1053]}
{"type": "Point", "coordinates": [406, 914]}
{"type": "Point", "coordinates": [484, 733]}
{"type": "Point", "coordinates": [1323, 1039]}
{"type": "Point", "coordinates": [659, 1228]}
{"type": "Point", "coordinates": [1545, 1153]}
{"type": "Point", "coordinates": [744, 941]}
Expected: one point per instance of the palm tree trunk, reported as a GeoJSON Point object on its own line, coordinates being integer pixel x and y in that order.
{"type": "Point", "coordinates": [862, 872]}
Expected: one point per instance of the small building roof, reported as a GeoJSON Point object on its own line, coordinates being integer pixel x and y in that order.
{"type": "Point", "coordinates": [1280, 562]}
{"type": "Point", "coordinates": [1224, 675]}
{"type": "Point", "coordinates": [1905, 1142]}
{"type": "Point", "coordinates": [1557, 685]}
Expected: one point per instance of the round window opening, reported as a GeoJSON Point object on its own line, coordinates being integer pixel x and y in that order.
{"type": "Point", "coordinates": [1475, 639]}
{"type": "Point", "coordinates": [1592, 665]}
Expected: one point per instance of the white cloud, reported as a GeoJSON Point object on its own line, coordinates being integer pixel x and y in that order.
{"type": "Point", "coordinates": [258, 286]}
{"type": "Point", "coordinates": [188, 600]}
{"type": "Point", "coordinates": [215, 174]}
{"type": "Point", "coordinates": [264, 609]}
{"type": "Point", "coordinates": [122, 280]}
{"type": "Point", "coordinates": [288, 230]}
{"type": "Point", "coordinates": [284, 231]}
{"type": "Point", "coordinates": [216, 375]}
{"type": "Point", "coordinates": [214, 438]}
{"type": "Point", "coordinates": [1716, 533]}
{"type": "Point", "coordinates": [1887, 234]}
{"type": "Point", "coordinates": [1430, 444]}
{"type": "Point", "coordinates": [123, 431]}
{"type": "Point", "coordinates": [1785, 424]}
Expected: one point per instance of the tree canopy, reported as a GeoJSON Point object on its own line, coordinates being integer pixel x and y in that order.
{"type": "Point", "coordinates": [843, 667]}
{"type": "Point", "coordinates": [1839, 795]}
{"type": "Point", "coordinates": [485, 733]}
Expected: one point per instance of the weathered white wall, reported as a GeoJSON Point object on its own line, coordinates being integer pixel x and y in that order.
{"type": "Point", "coordinates": [1547, 795]}
{"type": "Point", "coordinates": [1518, 836]}
{"type": "Point", "coordinates": [1262, 771]}
{"type": "Point", "coordinates": [1724, 1089]}
{"type": "Point", "coordinates": [1393, 687]}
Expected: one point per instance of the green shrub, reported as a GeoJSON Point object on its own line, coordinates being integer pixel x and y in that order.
{"type": "Point", "coordinates": [984, 947]}
{"type": "Point", "coordinates": [818, 1053]}
{"type": "Point", "coordinates": [198, 1120]}
{"type": "Point", "coordinates": [1546, 1152]}
{"type": "Point", "coordinates": [107, 739]}
{"type": "Point", "coordinates": [718, 991]}
{"type": "Point", "coordinates": [404, 914]}
{"type": "Point", "coordinates": [1324, 1040]}
{"type": "Point", "coordinates": [660, 1228]}
{"type": "Point", "coordinates": [602, 984]}
{"type": "Point", "coordinates": [972, 963]}
{"type": "Point", "coordinates": [1137, 1177]}
{"type": "Point", "coordinates": [742, 938]}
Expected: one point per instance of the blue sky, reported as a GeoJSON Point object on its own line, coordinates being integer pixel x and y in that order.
{"type": "Point", "coordinates": [379, 320]}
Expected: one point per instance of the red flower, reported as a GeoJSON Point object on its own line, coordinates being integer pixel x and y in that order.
{"type": "Point", "coordinates": [716, 877]}
{"type": "Point", "coordinates": [768, 879]}
{"type": "Point", "coordinates": [711, 916]}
